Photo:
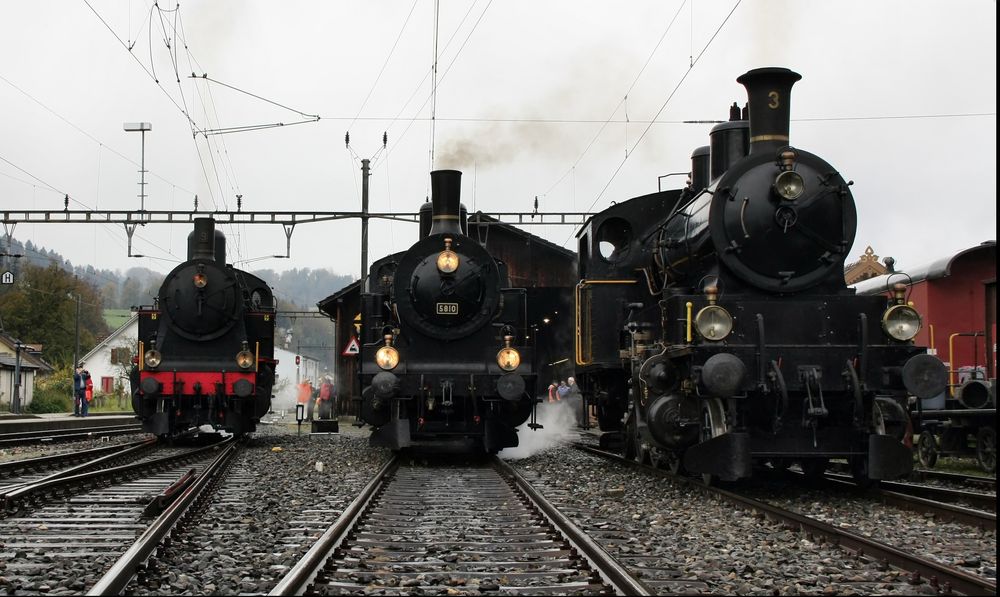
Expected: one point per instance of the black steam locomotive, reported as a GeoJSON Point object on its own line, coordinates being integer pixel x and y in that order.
{"type": "Point", "coordinates": [206, 345]}
{"type": "Point", "coordinates": [715, 329]}
{"type": "Point", "coordinates": [447, 361]}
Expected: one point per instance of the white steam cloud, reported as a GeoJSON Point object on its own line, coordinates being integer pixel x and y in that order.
{"type": "Point", "coordinates": [560, 423]}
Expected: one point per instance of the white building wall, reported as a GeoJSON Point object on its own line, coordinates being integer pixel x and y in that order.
{"type": "Point", "coordinates": [7, 388]}
{"type": "Point", "coordinates": [98, 360]}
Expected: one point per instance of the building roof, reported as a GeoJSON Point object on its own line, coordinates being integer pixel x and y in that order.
{"type": "Point", "coordinates": [938, 268]}
{"type": "Point", "coordinates": [117, 334]}
{"type": "Point", "coordinates": [7, 360]}
{"type": "Point", "coordinates": [479, 216]}
{"type": "Point", "coordinates": [36, 361]}
{"type": "Point", "coordinates": [328, 305]}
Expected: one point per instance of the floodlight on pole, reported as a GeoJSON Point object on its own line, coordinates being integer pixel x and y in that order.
{"type": "Point", "coordinates": [141, 127]}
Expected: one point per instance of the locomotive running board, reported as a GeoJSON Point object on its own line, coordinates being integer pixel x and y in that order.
{"type": "Point", "coordinates": [727, 457]}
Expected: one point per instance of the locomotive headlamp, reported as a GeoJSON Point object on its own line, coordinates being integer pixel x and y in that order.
{"type": "Point", "coordinates": [447, 261]}
{"type": "Point", "coordinates": [901, 322]}
{"type": "Point", "coordinates": [152, 358]}
{"type": "Point", "coordinates": [244, 358]}
{"type": "Point", "coordinates": [508, 358]}
{"type": "Point", "coordinates": [387, 357]}
{"type": "Point", "coordinates": [713, 322]}
{"type": "Point", "coordinates": [789, 185]}
{"type": "Point", "coordinates": [200, 280]}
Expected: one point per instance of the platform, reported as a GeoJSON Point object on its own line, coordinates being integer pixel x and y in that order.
{"type": "Point", "coordinates": [26, 423]}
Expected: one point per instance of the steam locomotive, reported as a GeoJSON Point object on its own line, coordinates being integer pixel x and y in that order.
{"type": "Point", "coordinates": [447, 360]}
{"type": "Point", "coordinates": [715, 329]}
{"type": "Point", "coordinates": [206, 345]}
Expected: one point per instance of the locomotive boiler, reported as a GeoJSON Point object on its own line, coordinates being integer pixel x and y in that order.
{"type": "Point", "coordinates": [716, 331]}
{"type": "Point", "coordinates": [448, 359]}
{"type": "Point", "coordinates": [206, 345]}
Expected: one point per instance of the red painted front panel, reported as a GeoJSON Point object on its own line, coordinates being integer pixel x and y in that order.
{"type": "Point", "coordinates": [208, 379]}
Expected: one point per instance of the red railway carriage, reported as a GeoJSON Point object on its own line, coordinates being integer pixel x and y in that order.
{"type": "Point", "coordinates": [957, 296]}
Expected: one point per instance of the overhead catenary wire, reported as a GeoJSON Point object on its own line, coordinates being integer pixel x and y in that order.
{"type": "Point", "coordinates": [660, 110]}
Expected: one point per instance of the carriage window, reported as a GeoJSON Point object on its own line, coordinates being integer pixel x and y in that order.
{"type": "Point", "coordinates": [613, 238]}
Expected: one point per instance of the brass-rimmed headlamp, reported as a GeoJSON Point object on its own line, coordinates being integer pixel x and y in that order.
{"type": "Point", "coordinates": [789, 185]}
{"type": "Point", "coordinates": [901, 321]}
{"type": "Point", "coordinates": [387, 357]}
{"type": "Point", "coordinates": [152, 357]}
{"type": "Point", "coordinates": [244, 358]}
{"type": "Point", "coordinates": [713, 322]}
{"type": "Point", "coordinates": [447, 260]}
{"type": "Point", "coordinates": [508, 358]}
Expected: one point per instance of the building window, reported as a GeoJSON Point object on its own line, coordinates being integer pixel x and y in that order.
{"type": "Point", "coordinates": [107, 385]}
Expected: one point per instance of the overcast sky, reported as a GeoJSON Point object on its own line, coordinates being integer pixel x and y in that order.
{"type": "Point", "coordinates": [534, 98]}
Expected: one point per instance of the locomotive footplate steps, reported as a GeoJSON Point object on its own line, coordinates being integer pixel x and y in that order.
{"type": "Point", "coordinates": [730, 456]}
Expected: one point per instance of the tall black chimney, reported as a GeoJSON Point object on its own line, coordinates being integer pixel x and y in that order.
{"type": "Point", "coordinates": [201, 241]}
{"type": "Point", "coordinates": [769, 92]}
{"type": "Point", "coordinates": [446, 196]}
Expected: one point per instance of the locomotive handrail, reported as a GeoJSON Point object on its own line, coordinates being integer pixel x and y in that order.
{"type": "Point", "coordinates": [951, 357]}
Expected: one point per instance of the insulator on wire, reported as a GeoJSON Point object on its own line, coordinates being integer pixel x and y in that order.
{"type": "Point", "coordinates": [347, 139]}
{"type": "Point", "coordinates": [385, 139]}
{"type": "Point", "coordinates": [239, 202]}
{"type": "Point", "coordinates": [196, 202]}
{"type": "Point", "coordinates": [66, 203]}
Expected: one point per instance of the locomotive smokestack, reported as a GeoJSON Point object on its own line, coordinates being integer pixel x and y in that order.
{"type": "Point", "coordinates": [769, 93]}
{"type": "Point", "coordinates": [201, 241]}
{"type": "Point", "coordinates": [446, 195]}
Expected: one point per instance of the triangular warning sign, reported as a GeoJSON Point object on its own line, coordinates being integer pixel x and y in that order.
{"type": "Point", "coordinates": [352, 349]}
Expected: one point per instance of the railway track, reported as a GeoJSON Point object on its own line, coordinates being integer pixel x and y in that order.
{"type": "Point", "coordinates": [22, 438]}
{"type": "Point", "coordinates": [942, 502]}
{"type": "Point", "coordinates": [61, 533]}
{"type": "Point", "coordinates": [454, 528]}
{"type": "Point", "coordinates": [941, 577]}
{"type": "Point", "coordinates": [15, 473]}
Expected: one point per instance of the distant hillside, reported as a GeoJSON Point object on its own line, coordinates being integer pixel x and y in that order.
{"type": "Point", "coordinates": [137, 285]}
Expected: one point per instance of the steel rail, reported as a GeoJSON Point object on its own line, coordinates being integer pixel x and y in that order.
{"type": "Point", "coordinates": [298, 578]}
{"type": "Point", "coordinates": [959, 478]}
{"type": "Point", "coordinates": [610, 570]}
{"type": "Point", "coordinates": [937, 574]}
{"type": "Point", "coordinates": [31, 437]}
{"type": "Point", "coordinates": [12, 467]}
{"type": "Point", "coordinates": [47, 485]}
{"type": "Point", "coordinates": [119, 451]}
{"type": "Point", "coordinates": [116, 579]}
{"type": "Point", "coordinates": [909, 497]}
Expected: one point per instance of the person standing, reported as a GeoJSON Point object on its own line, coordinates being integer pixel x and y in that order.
{"type": "Point", "coordinates": [79, 389]}
{"type": "Point", "coordinates": [326, 398]}
{"type": "Point", "coordinates": [305, 397]}
{"type": "Point", "coordinates": [88, 393]}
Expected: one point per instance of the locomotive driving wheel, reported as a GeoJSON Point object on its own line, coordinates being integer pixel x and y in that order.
{"type": "Point", "coordinates": [927, 450]}
{"type": "Point", "coordinates": [713, 424]}
{"type": "Point", "coordinates": [986, 449]}
{"type": "Point", "coordinates": [630, 447]}
{"type": "Point", "coordinates": [670, 460]}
